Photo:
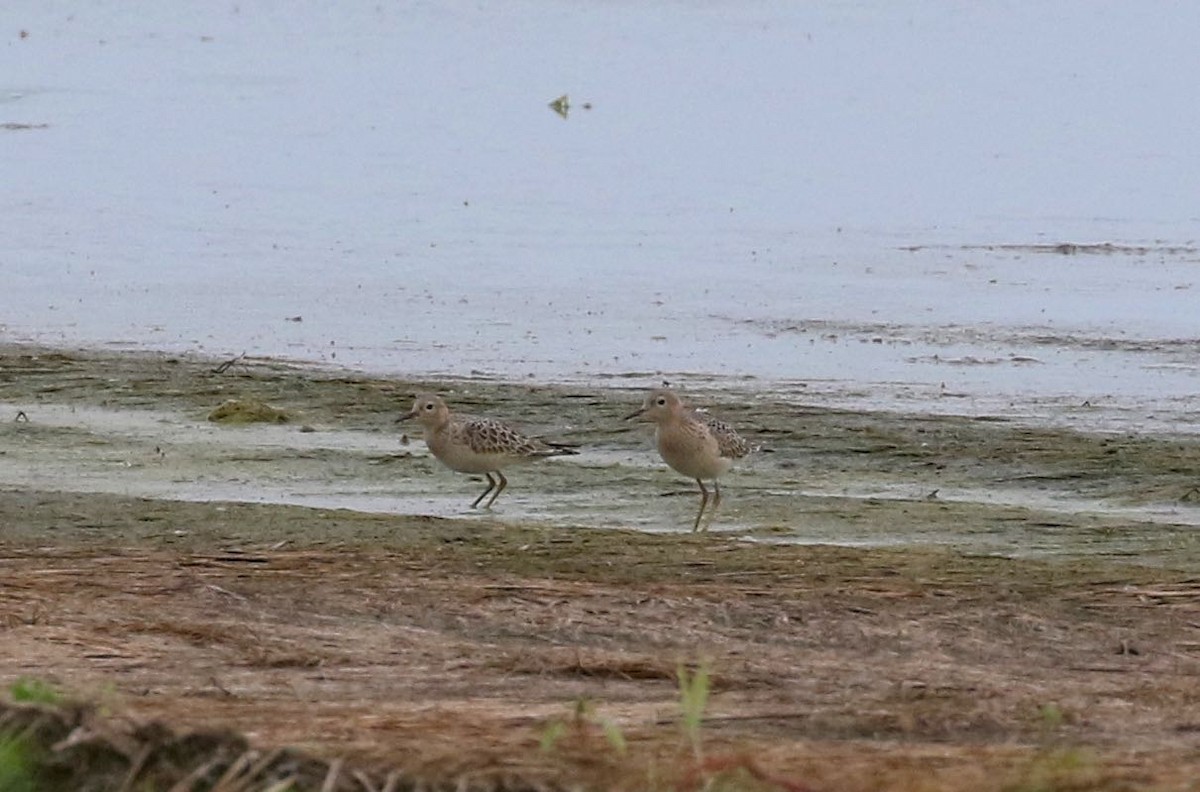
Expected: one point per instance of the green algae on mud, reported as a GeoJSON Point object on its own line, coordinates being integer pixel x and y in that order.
{"type": "Point", "coordinates": [241, 411]}
{"type": "Point", "coordinates": [134, 423]}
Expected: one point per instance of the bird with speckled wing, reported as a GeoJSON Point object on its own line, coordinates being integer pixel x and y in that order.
{"type": "Point", "coordinates": [478, 445]}
{"type": "Point", "coordinates": [694, 444]}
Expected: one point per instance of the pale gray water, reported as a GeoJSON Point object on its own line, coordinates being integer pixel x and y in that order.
{"type": "Point", "coordinates": [740, 200]}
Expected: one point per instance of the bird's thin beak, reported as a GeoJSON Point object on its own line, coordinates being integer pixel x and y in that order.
{"type": "Point", "coordinates": [635, 413]}
{"type": "Point", "coordinates": [406, 416]}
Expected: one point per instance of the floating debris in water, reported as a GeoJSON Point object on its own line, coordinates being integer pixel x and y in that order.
{"type": "Point", "coordinates": [562, 105]}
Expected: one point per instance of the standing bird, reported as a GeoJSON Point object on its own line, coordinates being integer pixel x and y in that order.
{"type": "Point", "coordinates": [477, 445]}
{"type": "Point", "coordinates": [692, 443]}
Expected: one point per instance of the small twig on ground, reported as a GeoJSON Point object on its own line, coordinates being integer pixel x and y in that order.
{"type": "Point", "coordinates": [136, 766]}
{"type": "Point", "coordinates": [226, 592]}
{"type": "Point", "coordinates": [225, 782]}
{"type": "Point", "coordinates": [362, 779]}
{"type": "Point", "coordinates": [224, 690]}
{"type": "Point", "coordinates": [221, 369]}
{"type": "Point", "coordinates": [21, 417]}
{"type": "Point", "coordinates": [331, 777]}
{"type": "Point", "coordinates": [188, 782]}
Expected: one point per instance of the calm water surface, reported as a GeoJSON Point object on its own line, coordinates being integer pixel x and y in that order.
{"type": "Point", "coordinates": [853, 203]}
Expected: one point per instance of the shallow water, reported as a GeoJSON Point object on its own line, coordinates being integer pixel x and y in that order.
{"type": "Point", "coordinates": [856, 205]}
{"type": "Point", "coordinates": [135, 425]}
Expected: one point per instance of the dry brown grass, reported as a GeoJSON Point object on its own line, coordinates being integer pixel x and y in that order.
{"type": "Point", "coordinates": [835, 669]}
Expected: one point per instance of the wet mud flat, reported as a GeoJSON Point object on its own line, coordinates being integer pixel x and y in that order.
{"type": "Point", "coordinates": [885, 601]}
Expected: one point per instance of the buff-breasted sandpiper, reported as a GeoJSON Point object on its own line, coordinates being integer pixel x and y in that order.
{"type": "Point", "coordinates": [694, 444]}
{"type": "Point", "coordinates": [478, 445]}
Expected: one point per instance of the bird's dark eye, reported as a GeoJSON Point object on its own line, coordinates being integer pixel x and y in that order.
{"type": "Point", "coordinates": [429, 406]}
{"type": "Point", "coordinates": [660, 401]}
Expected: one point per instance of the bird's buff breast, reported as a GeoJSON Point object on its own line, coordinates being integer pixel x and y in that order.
{"type": "Point", "coordinates": [458, 456]}
{"type": "Point", "coordinates": [691, 454]}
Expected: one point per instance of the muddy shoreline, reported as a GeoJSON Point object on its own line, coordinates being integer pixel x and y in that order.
{"type": "Point", "coordinates": [888, 601]}
{"type": "Point", "coordinates": [137, 424]}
